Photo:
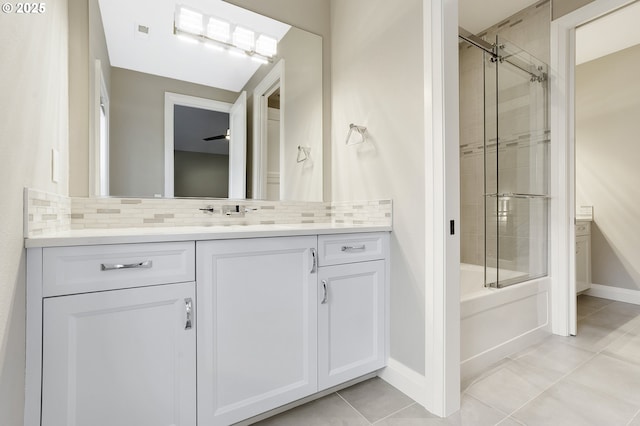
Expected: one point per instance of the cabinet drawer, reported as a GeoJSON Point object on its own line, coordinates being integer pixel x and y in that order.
{"type": "Point", "coordinates": [583, 228]}
{"type": "Point", "coordinates": [349, 248]}
{"type": "Point", "coordinates": [68, 270]}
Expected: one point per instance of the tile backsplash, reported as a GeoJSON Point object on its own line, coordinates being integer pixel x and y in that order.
{"type": "Point", "coordinates": [48, 213]}
{"type": "Point", "coordinates": [45, 213]}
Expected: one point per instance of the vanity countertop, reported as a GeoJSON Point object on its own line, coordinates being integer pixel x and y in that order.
{"type": "Point", "coordinates": [83, 237]}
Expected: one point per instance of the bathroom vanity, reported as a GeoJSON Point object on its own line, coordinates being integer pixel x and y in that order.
{"type": "Point", "coordinates": [205, 326]}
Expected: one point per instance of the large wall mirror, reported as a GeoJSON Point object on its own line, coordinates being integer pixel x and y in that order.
{"type": "Point", "coordinates": [177, 114]}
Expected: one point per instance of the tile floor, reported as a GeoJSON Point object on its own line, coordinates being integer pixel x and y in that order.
{"type": "Point", "coordinates": [590, 379]}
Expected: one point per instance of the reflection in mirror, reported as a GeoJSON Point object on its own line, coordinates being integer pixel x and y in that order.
{"type": "Point", "coordinates": [201, 164]}
{"type": "Point", "coordinates": [141, 61]}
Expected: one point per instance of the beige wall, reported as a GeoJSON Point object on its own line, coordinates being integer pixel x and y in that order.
{"type": "Point", "coordinates": [607, 172]}
{"type": "Point", "coordinates": [137, 129]}
{"type": "Point", "coordinates": [201, 175]}
{"type": "Point", "coordinates": [562, 7]}
{"type": "Point", "coordinates": [313, 16]}
{"type": "Point", "coordinates": [86, 44]}
{"type": "Point", "coordinates": [377, 82]}
{"type": "Point", "coordinates": [33, 120]}
{"type": "Point", "coordinates": [79, 97]}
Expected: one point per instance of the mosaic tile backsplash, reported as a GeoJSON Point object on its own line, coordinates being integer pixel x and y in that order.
{"type": "Point", "coordinates": [45, 213]}
{"type": "Point", "coordinates": [48, 213]}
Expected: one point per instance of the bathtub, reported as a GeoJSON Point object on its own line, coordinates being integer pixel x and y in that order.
{"type": "Point", "coordinates": [495, 323]}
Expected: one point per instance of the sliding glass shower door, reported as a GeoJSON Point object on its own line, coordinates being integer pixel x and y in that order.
{"type": "Point", "coordinates": [516, 165]}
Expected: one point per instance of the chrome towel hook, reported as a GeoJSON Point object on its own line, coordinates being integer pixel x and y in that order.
{"type": "Point", "coordinates": [303, 153]}
{"type": "Point", "coordinates": [361, 130]}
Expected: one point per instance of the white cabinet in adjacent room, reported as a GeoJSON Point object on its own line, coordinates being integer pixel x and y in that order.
{"type": "Point", "coordinates": [122, 357]}
{"type": "Point", "coordinates": [257, 326]}
{"type": "Point", "coordinates": [583, 256]}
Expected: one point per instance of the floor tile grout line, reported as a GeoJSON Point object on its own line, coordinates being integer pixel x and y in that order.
{"type": "Point", "coordinates": [555, 382]}
{"type": "Point", "coordinates": [395, 412]}
{"type": "Point", "coordinates": [634, 417]}
{"type": "Point", "coordinates": [513, 419]}
{"type": "Point", "coordinates": [506, 415]}
{"type": "Point", "coordinates": [354, 408]}
{"type": "Point", "coordinates": [596, 311]}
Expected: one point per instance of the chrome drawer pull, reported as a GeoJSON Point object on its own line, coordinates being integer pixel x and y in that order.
{"type": "Point", "coordinates": [326, 292]}
{"type": "Point", "coordinates": [115, 266]}
{"type": "Point", "coordinates": [354, 248]}
{"type": "Point", "coordinates": [188, 304]}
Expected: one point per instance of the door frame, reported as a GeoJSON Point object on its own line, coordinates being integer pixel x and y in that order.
{"type": "Point", "coordinates": [98, 97]}
{"type": "Point", "coordinates": [562, 248]}
{"type": "Point", "coordinates": [264, 89]}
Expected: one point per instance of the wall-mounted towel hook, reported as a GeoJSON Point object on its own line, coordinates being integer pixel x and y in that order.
{"type": "Point", "coordinates": [303, 153]}
{"type": "Point", "coordinates": [361, 130]}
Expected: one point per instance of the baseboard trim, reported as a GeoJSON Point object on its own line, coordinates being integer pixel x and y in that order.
{"type": "Point", "coordinates": [406, 380]}
{"type": "Point", "coordinates": [614, 293]}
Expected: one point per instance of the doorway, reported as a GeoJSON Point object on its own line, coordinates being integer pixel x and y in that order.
{"type": "Point", "coordinates": [201, 152]}
{"type": "Point", "coordinates": [235, 136]}
{"type": "Point", "coordinates": [563, 125]}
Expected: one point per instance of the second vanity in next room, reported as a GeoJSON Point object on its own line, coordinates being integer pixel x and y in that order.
{"type": "Point", "coordinates": [205, 326]}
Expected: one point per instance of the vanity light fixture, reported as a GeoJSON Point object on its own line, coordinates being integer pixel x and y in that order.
{"type": "Point", "coordinates": [218, 30]}
{"type": "Point", "coordinates": [267, 46]}
{"type": "Point", "coordinates": [243, 38]}
{"type": "Point", "coordinates": [189, 21]}
{"type": "Point", "coordinates": [218, 34]}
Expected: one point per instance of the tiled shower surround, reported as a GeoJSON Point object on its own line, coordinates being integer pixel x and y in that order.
{"type": "Point", "coordinates": [48, 213]}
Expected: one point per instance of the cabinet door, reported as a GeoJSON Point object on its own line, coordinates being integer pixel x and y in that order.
{"type": "Point", "coordinates": [583, 263]}
{"type": "Point", "coordinates": [124, 357]}
{"type": "Point", "coordinates": [350, 321]}
{"type": "Point", "coordinates": [257, 326]}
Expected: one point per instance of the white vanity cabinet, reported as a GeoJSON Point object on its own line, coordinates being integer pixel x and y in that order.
{"type": "Point", "coordinates": [257, 326]}
{"type": "Point", "coordinates": [583, 256]}
{"type": "Point", "coordinates": [207, 331]}
{"type": "Point", "coordinates": [352, 306]}
{"type": "Point", "coordinates": [124, 357]}
{"type": "Point", "coordinates": [118, 337]}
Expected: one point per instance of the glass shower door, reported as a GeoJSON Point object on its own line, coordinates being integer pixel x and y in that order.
{"type": "Point", "coordinates": [517, 166]}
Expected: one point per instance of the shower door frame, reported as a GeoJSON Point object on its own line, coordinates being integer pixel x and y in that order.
{"type": "Point", "coordinates": [563, 45]}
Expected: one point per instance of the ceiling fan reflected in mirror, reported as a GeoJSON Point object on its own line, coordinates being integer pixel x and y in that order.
{"type": "Point", "coordinates": [226, 136]}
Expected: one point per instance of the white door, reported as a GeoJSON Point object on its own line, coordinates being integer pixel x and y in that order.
{"type": "Point", "coordinates": [238, 147]}
{"type": "Point", "coordinates": [350, 321]}
{"type": "Point", "coordinates": [257, 326]}
{"type": "Point", "coordinates": [124, 357]}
